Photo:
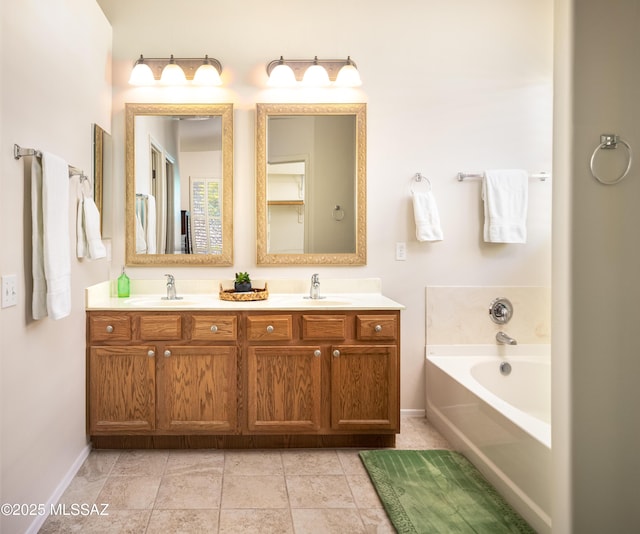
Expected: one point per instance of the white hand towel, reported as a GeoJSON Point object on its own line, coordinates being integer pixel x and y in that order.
{"type": "Point", "coordinates": [427, 217]}
{"type": "Point", "coordinates": [505, 194]}
{"type": "Point", "coordinates": [92, 229]}
{"type": "Point", "coordinates": [81, 237]}
{"type": "Point", "coordinates": [55, 239]}
{"type": "Point", "coordinates": [141, 242]}
{"type": "Point", "coordinates": [39, 297]}
{"type": "Point", "coordinates": [151, 238]}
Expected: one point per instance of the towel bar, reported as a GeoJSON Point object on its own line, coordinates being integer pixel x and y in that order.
{"type": "Point", "coordinates": [19, 152]}
{"type": "Point", "coordinates": [542, 176]}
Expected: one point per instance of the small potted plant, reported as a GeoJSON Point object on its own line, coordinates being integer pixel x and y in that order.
{"type": "Point", "coordinates": [242, 282]}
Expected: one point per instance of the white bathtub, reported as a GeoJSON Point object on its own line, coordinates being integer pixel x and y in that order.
{"type": "Point", "coordinates": [500, 422]}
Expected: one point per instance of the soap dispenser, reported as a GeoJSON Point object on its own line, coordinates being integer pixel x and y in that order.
{"type": "Point", "coordinates": [123, 284]}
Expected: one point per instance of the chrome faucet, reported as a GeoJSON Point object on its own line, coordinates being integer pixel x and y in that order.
{"type": "Point", "coordinates": [504, 339]}
{"type": "Point", "coordinates": [171, 288]}
{"type": "Point", "coordinates": [315, 287]}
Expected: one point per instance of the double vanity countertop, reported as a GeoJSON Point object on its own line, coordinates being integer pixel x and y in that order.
{"type": "Point", "coordinates": [336, 294]}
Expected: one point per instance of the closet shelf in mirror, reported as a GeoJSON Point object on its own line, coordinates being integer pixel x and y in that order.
{"type": "Point", "coordinates": [285, 202]}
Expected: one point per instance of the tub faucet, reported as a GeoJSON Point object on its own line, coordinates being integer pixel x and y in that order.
{"type": "Point", "coordinates": [504, 339]}
{"type": "Point", "coordinates": [171, 288]}
{"type": "Point", "coordinates": [315, 287]}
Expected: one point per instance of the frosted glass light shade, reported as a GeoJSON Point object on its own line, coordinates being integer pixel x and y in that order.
{"type": "Point", "coordinates": [141, 74]}
{"type": "Point", "coordinates": [348, 76]}
{"type": "Point", "coordinates": [207, 74]}
{"type": "Point", "coordinates": [282, 76]}
{"type": "Point", "coordinates": [173, 74]}
{"type": "Point", "coordinates": [316, 76]}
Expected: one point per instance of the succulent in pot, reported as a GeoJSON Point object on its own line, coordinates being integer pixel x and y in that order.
{"type": "Point", "coordinates": [242, 282]}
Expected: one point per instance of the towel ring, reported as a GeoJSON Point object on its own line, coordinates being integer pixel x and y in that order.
{"type": "Point", "coordinates": [607, 142]}
{"type": "Point", "coordinates": [417, 177]}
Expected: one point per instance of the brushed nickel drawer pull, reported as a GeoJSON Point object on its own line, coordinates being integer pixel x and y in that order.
{"type": "Point", "coordinates": [109, 329]}
{"type": "Point", "coordinates": [378, 328]}
{"type": "Point", "coordinates": [214, 328]}
{"type": "Point", "coordinates": [270, 329]}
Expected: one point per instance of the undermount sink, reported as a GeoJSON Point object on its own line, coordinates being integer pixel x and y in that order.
{"type": "Point", "coordinates": [159, 301]}
{"type": "Point", "coordinates": [326, 302]}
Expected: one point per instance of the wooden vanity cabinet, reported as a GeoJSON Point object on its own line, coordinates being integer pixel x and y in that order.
{"type": "Point", "coordinates": [243, 379]}
{"type": "Point", "coordinates": [161, 373]}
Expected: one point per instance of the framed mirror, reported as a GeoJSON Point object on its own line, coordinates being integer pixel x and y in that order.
{"type": "Point", "coordinates": [179, 184]}
{"type": "Point", "coordinates": [101, 167]}
{"type": "Point", "coordinates": [311, 184]}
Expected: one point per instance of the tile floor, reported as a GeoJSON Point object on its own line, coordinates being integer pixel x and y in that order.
{"type": "Point", "coordinates": [280, 491]}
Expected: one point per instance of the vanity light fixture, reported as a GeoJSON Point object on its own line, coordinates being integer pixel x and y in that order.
{"type": "Point", "coordinates": [176, 71]}
{"type": "Point", "coordinates": [313, 72]}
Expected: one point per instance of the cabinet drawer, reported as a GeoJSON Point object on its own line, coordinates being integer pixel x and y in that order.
{"type": "Point", "coordinates": [110, 327]}
{"type": "Point", "coordinates": [214, 328]}
{"type": "Point", "coordinates": [155, 327]}
{"type": "Point", "coordinates": [269, 327]}
{"type": "Point", "coordinates": [372, 327]}
{"type": "Point", "coordinates": [324, 327]}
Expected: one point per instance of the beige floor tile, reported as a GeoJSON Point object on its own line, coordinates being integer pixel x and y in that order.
{"type": "Point", "coordinates": [117, 522]}
{"type": "Point", "coordinates": [195, 461]}
{"type": "Point", "coordinates": [311, 462]}
{"type": "Point", "coordinates": [258, 521]}
{"type": "Point", "coordinates": [259, 462]}
{"type": "Point", "coordinates": [140, 463]}
{"type": "Point", "coordinates": [376, 521]}
{"type": "Point", "coordinates": [254, 491]}
{"type": "Point", "coordinates": [129, 493]}
{"type": "Point", "coordinates": [193, 491]}
{"type": "Point", "coordinates": [364, 493]}
{"type": "Point", "coordinates": [319, 491]}
{"type": "Point", "coordinates": [98, 464]}
{"type": "Point", "coordinates": [418, 434]}
{"type": "Point", "coordinates": [351, 462]}
{"type": "Point", "coordinates": [183, 522]}
{"type": "Point", "coordinates": [82, 491]}
{"type": "Point", "coordinates": [310, 521]}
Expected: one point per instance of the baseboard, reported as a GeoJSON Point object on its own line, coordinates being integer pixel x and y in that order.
{"type": "Point", "coordinates": [60, 489]}
{"type": "Point", "coordinates": [412, 413]}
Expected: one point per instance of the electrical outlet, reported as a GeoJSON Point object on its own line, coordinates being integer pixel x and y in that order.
{"type": "Point", "coordinates": [9, 290]}
{"type": "Point", "coordinates": [401, 251]}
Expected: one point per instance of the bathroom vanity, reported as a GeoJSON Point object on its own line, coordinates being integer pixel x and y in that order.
{"type": "Point", "coordinates": [202, 372]}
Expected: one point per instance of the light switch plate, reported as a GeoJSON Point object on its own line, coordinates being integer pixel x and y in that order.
{"type": "Point", "coordinates": [401, 251]}
{"type": "Point", "coordinates": [9, 290]}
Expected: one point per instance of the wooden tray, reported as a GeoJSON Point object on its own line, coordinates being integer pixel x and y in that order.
{"type": "Point", "coordinates": [245, 296]}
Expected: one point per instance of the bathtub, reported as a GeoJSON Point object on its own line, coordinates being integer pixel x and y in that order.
{"type": "Point", "coordinates": [502, 423]}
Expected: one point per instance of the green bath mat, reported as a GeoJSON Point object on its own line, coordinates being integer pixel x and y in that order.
{"type": "Point", "coordinates": [439, 492]}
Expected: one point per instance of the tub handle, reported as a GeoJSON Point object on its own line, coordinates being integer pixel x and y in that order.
{"type": "Point", "coordinates": [501, 310]}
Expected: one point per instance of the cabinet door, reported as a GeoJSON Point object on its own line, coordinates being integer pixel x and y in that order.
{"type": "Point", "coordinates": [364, 387]}
{"type": "Point", "coordinates": [197, 389]}
{"type": "Point", "coordinates": [122, 389]}
{"type": "Point", "coordinates": [284, 389]}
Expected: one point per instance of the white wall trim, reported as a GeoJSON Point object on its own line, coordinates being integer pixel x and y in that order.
{"type": "Point", "coordinates": [60, 489]}
{"type": "Point", "coordinates": [413, 412]}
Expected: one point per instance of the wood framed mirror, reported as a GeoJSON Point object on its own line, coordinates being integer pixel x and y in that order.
{"type": "Point", "coordinates": [179, 184]}
{"type": "Point", "coordinates": [311, 184]}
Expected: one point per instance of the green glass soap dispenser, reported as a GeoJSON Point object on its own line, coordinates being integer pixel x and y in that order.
{"type": "Point", "coordinates": [123, 284]}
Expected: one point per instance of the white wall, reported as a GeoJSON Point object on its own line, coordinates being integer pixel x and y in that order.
{"type": "Point", "coordinates": [55, 82]}
{"type": "Point", "coordinates": [596, 265]}
{"type": "Point", "coordinates": [450, 86]}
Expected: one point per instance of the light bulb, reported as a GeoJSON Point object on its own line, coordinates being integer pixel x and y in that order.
{"type": "Point", "coordinates": [316, 75]}
{"type": "Point", "coordinates": [282, 76]}
{"type": "Point", "coordinates": [207, 74]}
{"type": "Point", "coordinates": [141, 74]}
{"type": "Point", "coordinates": [348, 76]}
{"type": "Point", "coordinates": [173, 74]}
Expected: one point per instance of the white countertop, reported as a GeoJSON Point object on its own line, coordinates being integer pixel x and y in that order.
{"type": "Point", "coordinates": [146, 295]}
